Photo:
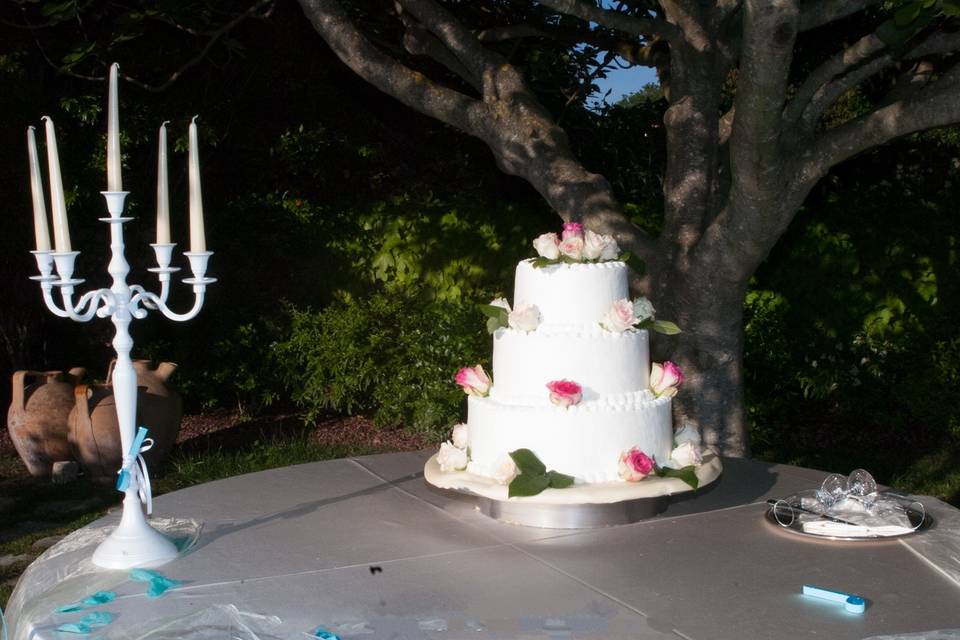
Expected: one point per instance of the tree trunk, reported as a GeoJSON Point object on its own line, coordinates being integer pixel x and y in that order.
{"type": "Point", "coordinates": [710, 354]}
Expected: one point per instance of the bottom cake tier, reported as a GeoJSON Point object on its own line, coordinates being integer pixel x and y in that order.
{"type": "Point", "coordinates": [584, 440]}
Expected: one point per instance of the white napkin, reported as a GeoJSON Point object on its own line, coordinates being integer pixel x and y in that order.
{"type": "Point", "coordinates": [882, 518]}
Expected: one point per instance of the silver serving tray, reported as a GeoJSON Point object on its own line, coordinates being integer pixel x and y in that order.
{"type": "Point", "coordinates": [919, 519]}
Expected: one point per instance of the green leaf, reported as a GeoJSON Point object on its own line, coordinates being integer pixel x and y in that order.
{"type": "Point", "coordinates": [540, 262]}
{"type": "Point", "coordinates": [688, 474]}
{"type": "Point", "coordinates": [634, 263]}
{"type": "Point", "coordinates": [951, 8]}
{"type": "Point", "coordinates": [907, 13]}
{"type": "Point", "coordinates": [528, 462]}
{"type": "Point", "coordinates": [496, 316]}
{"type": "Point", "coordinates": [559, 480]}
{"type": "Point", "coordinates": [528, 484]}
{"type": "Point", "coordinates": [666, 327]}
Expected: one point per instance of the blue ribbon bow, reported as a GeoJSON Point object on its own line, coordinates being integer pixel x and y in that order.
{"type": "Point", "coordinates": [134, 467]}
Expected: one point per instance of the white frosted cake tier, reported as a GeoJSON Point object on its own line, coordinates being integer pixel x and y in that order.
{"type": "Point", "coordinates": [571, 294]}
{"type": "Point", "coordinates": [584, 440]}
{"type": "Point", "coordinates": [602, 362]}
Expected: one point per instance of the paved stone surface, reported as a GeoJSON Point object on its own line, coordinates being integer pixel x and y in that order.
{"type": "Point", "coordinates": [68, 507]}
{"type": "Point", "coordinates": [64, 472]}
{"type": "Point", "coordinates": [10, 560]}
{"type": "Point", "coordinates": [6, 504]}
{"type": "Point", "coordinates": [24, 528]}
{"type": "Point", "coordinates": [45, 543]}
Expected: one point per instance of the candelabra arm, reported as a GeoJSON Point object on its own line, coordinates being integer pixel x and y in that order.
{"type": "Point", "coordinates": [91, 300]}
{"type": "Point", "coordinates": [47, 289]}
{"type": "Point", "coordinates": [154, 301]}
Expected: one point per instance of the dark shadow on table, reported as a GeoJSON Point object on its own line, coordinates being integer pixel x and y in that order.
{"type": "Point", "coordinates": [742, 482]}
{"type": "Point", "coordinates": [297, 511]}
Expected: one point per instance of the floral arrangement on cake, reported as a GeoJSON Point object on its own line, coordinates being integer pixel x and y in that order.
{"type": "Point", "coordinates": [525, 317]}
{"type": "Point", "coordinates": [639, 313]}
{"type": "Point", "coordinates": [687, 454]}
{"type": "Point", "coordinates": [575, 245]}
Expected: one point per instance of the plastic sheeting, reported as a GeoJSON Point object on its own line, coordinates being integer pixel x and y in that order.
{"type": "Point", "coordinates": [65, 573]}
{"type": "Point", "coordinates": [216, 622]}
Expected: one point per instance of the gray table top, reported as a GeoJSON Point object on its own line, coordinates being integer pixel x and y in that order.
{"type": "Point", "coordinates": [365, 548]}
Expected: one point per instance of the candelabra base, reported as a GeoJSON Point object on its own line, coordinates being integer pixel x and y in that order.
{"type": "Point", "coordinates": [134, 543]}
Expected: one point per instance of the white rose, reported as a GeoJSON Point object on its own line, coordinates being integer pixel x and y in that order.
{"type": "Point", "coordinates": [572, 248]}
{"type": "Point", "coordinates": [611, 250]}
{"type": "Point", "coordinates": [526, 317]}
{"type": "Point", "coordinates": [500, 302]}
{"type": "Point", "coordinates": [643, 309]}
{"type": "Point", "coordinates": [593, 245]}
{"type": "Point", "coordinates": [687, 433]}
{"type": "Point", "coordinates": [686, 454]}
{"type": "Point", "coordinates": [548, 246]}
{"type": "Point", "coordinates": [451, 458]}
{"type": "Point", "coordinates": [460, 436]}
{"type": "Point", "coordinates": [505, 470]}
{"type": "Point", "coordinates": [620, 317]}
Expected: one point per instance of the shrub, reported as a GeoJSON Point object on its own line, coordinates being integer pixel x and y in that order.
{"type": "Point", "coordinates": [392, 355]}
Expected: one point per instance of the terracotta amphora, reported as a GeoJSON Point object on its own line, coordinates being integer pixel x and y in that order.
{"type": "Point", "coordinates": [37, 419]}
{"type": "Point", "coordinates": [94, 429]}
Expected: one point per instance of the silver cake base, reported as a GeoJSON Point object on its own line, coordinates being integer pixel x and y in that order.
{"type": "Point", "coordinates": [571, 516]}
{"type": "Point", "coordinates": [579, 507]}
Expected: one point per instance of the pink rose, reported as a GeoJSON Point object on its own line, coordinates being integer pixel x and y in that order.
{"type": "Point", "coordinates": [634, 465]}
{"type": "Point", "coordinates": [572, 230]}
{"type": "Point", "coordinates": [474, 380]}
{"type": "Point", "coordinates": [526, 317]}
{"type": "Point", "coordinates": [548, 246]}
{"type": "Point", "coordinates": [664, 379]}
{"type": "Point", "coordinates": [572, 247]}
{"type": "Point", "coordinates": [564, 393]}
{"type": "Point", "coordinates": [620, 317]}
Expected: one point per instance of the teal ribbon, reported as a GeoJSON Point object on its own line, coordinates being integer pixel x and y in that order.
{"type": "Point", "coordinates": [158, 583]}
{"type": "Point", "coordinates": [135, 467]}
{"type": "Point", "coordinates": [87, 624]}
{"type": "Point", "coordinates": [100, 597]}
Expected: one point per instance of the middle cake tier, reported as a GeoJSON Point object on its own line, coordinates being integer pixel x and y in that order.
{"type": "Point", "coordinates": [602, 362]}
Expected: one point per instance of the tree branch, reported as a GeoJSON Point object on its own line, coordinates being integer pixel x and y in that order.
{"type": "Point", "coordinates": [589, 12]}
{"type": "Point", "coordinates": [820, 12]}
{"type": "Point", "coordinates": [397, 80]}
{"type": "Point", "coordinates": [935, 105]}
{"type": "Point", "coordinates": [769, 33]}
{"type": "Point", "coordinates": [477, 59]}
{"type": "Point", "coordinates": [636, 53]}
{"type": "Point", "coordinates": [419, 41]}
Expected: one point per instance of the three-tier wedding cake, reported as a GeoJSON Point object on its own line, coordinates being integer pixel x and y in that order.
{"type": "Point", "coordinates": [572, 385]}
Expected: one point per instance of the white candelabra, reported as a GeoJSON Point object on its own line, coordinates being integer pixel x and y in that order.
{"type": "Point", "coordinates": [134, 543]}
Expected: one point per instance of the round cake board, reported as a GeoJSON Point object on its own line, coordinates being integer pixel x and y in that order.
{"type": "Point", "coordinates": [582, 506]}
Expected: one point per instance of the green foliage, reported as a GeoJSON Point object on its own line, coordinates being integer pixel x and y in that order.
{"type": "Point", "coordinates": [534, 477]}
{"type": "Point", "coordinates": [392, 355]}
{"type": "Point", "coordinates": [687, 474]}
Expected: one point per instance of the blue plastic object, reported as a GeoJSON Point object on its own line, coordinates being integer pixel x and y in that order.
{"type": "Point", "coordinates": [100, 597]}
{"type": "Point", "coordinates": [87, 624]}
{"type": "Point", "coordinates": [323, 634]}
{"type": "Point", "coordinates": [159, 584]}
{"type": "Point", "coordinates": [852, 603]}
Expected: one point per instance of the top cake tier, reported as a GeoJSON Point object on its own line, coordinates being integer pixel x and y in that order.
{"type": "Point", "coordinates": [571, 294]}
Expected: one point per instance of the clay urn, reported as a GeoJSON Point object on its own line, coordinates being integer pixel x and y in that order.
{"type": "Point", "coordinates": [95, 432]}
{"type": "Point", "coordinates": [37, 419]}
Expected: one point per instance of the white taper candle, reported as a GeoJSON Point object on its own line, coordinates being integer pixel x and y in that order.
{"type": "Point", "coordinates": [198, 241]}
{"type": "Point", "coordinates": [114, 179]}
{"type": "Point", "coordinates": [61, 232]}
{"type": "Point", "coordinates": [163, 191]}
{"type": "Point", "coordinates": [40, 228]}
